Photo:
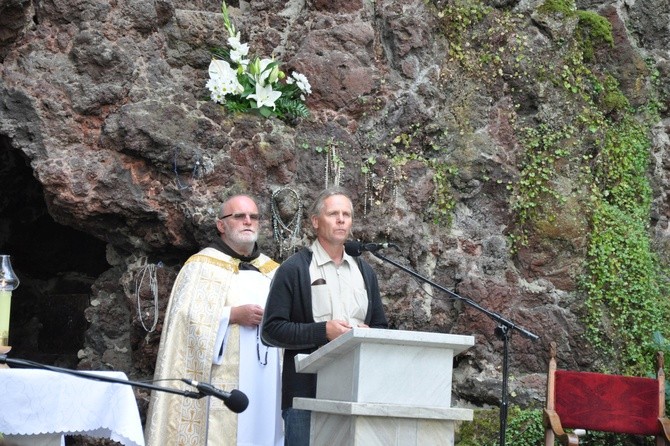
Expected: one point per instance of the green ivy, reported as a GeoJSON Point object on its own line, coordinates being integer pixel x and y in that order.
{"type": "Point", "coordinates": [444, 202]}
{"type": "Point", "coordinates": [483, 430]}
{"type": "Point", "coordinates": [419, 144]}
{"type": "Point", "coordinates": [444, 198]}
{"type": "Point", "coordinates": [604, 148]}
{"type": "Point", "coordinates": [457, 17]}
{"type": "Point", "coordinates": [525, 428]}
{"type": "Point", "coordinates": [623, 278]}
{"type": "Point", "coordinates": [544, 146]}
{"type": "Point", "coordinates": [611, 99]}
{"type": "Point", "coordinates": [662, 345]}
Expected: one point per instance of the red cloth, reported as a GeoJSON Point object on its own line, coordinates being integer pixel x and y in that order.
{"type": "Point", "coordinates": [609, 403]}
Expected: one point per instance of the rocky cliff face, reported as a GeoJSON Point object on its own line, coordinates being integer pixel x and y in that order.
{"type": "Point", "coordinates": [416, 109]}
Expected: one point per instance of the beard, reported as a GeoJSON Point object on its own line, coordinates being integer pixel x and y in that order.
{"type": "Point", "coordinates": [243, 237]}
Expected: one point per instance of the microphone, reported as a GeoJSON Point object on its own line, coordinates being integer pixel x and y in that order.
{"type": "Point", "coordinates": [354, 248]}
{"type": "Point", "coordinates": [234, 400]}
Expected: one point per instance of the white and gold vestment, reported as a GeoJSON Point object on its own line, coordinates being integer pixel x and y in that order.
{"type": "Point", "coordinates": [198, 343]}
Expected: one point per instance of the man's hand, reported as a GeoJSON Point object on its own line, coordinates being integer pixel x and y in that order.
{"type": "Point", "coordinates": [335, 329]}
{"type": "Point", "coordinates": [248, 315]}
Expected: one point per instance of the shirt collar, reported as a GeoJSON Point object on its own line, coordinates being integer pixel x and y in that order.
{"type": "Point", "coordinates": [321, 256]}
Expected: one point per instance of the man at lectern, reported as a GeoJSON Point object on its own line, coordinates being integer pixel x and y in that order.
{"type": "Point", "coordinates": [318, 294]}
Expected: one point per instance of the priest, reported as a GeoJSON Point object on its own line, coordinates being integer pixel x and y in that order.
{"type": "Point", "coordinates": [211, 335]}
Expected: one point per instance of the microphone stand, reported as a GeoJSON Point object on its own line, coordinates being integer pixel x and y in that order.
{"type": "Point", "coordinates": [22, 363]}
{"type": "Point", "coordinates": [503, 331]}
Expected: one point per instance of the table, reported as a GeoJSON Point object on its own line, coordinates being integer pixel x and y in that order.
{"type": "Point", "coordinates": [34, 402]}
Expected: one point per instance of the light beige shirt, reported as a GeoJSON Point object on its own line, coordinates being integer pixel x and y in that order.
{"type": "Point", "coordinates": [338, 292]}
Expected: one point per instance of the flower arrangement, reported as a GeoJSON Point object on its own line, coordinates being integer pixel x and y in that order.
{"type": "Point", "coordinates": [246, 85]}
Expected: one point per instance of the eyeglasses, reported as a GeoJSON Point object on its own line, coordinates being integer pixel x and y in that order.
{"type": "Point", "coordinates": [242, 217]}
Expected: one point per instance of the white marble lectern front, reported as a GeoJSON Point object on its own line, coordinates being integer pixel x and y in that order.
{"type": "Point", "coordinates": [384, 387]}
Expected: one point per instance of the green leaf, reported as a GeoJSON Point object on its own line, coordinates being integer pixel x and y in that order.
{"type": "Point", "coordinates": [265, 111]}
{"type": "Point", "coordinates": [292, 107]}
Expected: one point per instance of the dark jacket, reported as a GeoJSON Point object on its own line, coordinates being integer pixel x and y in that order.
{"type": "Point", "coordinates": [288, 322]}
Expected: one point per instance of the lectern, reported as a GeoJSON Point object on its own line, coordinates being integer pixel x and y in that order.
{"type": "Point", "coordinates": [384, 387]}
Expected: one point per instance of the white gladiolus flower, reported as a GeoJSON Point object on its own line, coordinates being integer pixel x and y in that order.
{"type": "Point", "coordinates": [236, 45]}
{"type": "Point", "coordinates": [238, 57]}
{"type": "Point", "coordinates": [234, 41]}
{"type": "Point", "coordinates": [232, 79]}
{"type": "Point", "coordinates": [238, 50]}
{"type": "Point", "coordinates": [265, 95]}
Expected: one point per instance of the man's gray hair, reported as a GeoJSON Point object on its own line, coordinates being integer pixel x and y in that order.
{"type": "Point", "coordinates": [316, 207]}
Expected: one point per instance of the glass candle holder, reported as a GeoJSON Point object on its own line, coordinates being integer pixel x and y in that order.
{"type": "Point", "coordinates": [8, 283]}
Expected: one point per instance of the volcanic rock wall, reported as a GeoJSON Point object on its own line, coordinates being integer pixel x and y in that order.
{"type": "Point", "coordinates": [107, 105]}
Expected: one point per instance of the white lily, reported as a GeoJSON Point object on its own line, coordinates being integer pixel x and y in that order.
{"type": "Point", "coordinates": [264, 75]}
{"type": "Point", "coordinates": [265, 96]}
{"type": "Point", "coordinates": [226, 79]}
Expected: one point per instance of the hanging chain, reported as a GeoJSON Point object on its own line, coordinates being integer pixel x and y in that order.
{"type": "Point", "coordinates": [367, 196]}
{"type": "Point", "coordinates": [197, 172]}
{"type": "Point", "coordinates": [376, 189]}
{"type": "Point", "coordinates": [150, 270]}
{"type": "Point", "coordinates": [327, 173]}
{"type": "Point", "coordinates": [333, 166]}
{"type": "Point", "coordinates": [286, 233]}
{"type": "Point", "coordinates": [395, 179]}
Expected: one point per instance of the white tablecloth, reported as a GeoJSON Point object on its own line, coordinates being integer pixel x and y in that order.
{"type": "Point", "coordinates": [46, 402]}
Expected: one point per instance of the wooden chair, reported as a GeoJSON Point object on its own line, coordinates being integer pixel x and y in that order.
{"type": "Point", "coordinates": [606, 403]}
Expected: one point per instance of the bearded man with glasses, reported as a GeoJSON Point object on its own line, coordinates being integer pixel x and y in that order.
{"type": "Point", "coordinates": [211, 335]}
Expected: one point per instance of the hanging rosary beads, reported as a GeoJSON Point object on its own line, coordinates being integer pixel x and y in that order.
{"type": "Point", "coordinates": [150, 270]}
{"type": "Point", "coordinates": [333, 166]}
{"type": "Point", "coordinates": [286, 232]}
{"type": "Point", "coordinates": [197, 172]}
{"type": "Point", "coordinates": [379, 190]}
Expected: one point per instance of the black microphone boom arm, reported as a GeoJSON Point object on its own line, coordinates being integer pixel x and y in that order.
{"type": "Point", "coordinates": [237, 403]}
{"type": "Point", "coordinates": [234, 400]}
{"type": "Point", "coordinates": [22, 363]}
{"type": "Point", "coordinates": [503, 331]}
{"type": "Point", "coordinates": [495, 316]}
